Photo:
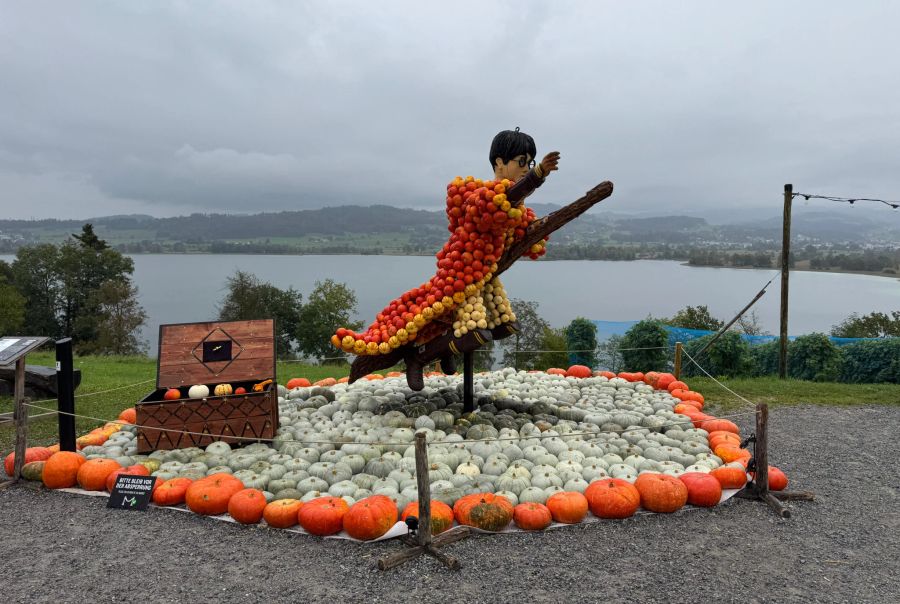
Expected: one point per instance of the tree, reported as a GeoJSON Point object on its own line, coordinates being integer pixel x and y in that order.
{"type": "Point", "coordinates": [34, 276]}
{"type": "Point", "coordinates": [553, 345]}
{"type": "Point", "coordinates": [119, 320]}
{"type": "Point", "coordinates": [89, 239]}
{"type": "Point", "coordinates": [608, 355]}
{"type": "Point", "coordinates": [695, 317]}
{"type": "Point", "coordinates": [749, 324]}
{"type": "Point", "coordinates": [581, 336]}
{"type": "Point", "coordinates": [645, 346]}
{"type": "Point", "coordinates": [328, 307]}
{"type": "Point", "coordinates": [872, 325]}
{"type": "Point", "coordinates": [248, 298]}
{"type": "Point", "coordinates": [518, 349]}
{"type": "Point", "coordinates": [12, 309]}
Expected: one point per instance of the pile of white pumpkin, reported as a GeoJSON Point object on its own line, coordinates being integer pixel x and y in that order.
{"type": "Point", "coordinates": [331, 443]}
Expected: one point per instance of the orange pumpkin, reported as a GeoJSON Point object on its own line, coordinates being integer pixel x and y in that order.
{"type": "Point", "coordinates": [532, 516]}
{"type": "Point", "coordinates": [686, 409]}
{"type": "Point", "coordinates": [718, 437]}
{"type": "Point", "coordinates": [343, 380]}
{"type": "Point", "coordinates": [370, 518]}
{"type": "Point", "coordinates": [172, 491]}
{"type": "Point", "coordinates": [568, 507]}
{"type": "Point", "coordinates": [128, 415]}
{"type": "Point", "coordinates": [730, 452]}
{"type": "Point", "coordinates": [607, 374]}
{"type": "Point", "coordinates": [486, 511]}
{"type": "Point", "coordinates": [778, 480]}
{"type": "Point", "coordinates": [703, 490]}
{"type": "Point", "coordinates": [730, 477]}
{"type": "Point", "coordinates": [660, 492]}
{"type": "Point", "coordinates": [330, 381]}
{"type": "Point", "coordinates": [714, 424]}
{"type": "Point", "coordinates": [556, 371]}
{"type": "Point", "coordinates": [93, 473]}
{"type": "Point", "coordinates": [394, 374]}
{"type": "Point", "coordinates": [61, 469]}
{"type": "Point", "coordinates": [209, 496]}
{"type": "Point", "coordinates": [135, 470]}
{"type": "Point", "coordinates": [579, 371]}
{"type": "Point", "coordinates": [323, 516]}
{"type": "Point", "coordinates": [441, 515]}
{"type": "Point", "coordinates": [612, 498]}
{"type": "Point", "coordinates": [297, 383]}
{"type": "Point", "coordinates": [282, 513]}
{"type": "Point", "coordinates": [663, 381]}
{"type": "Point", "coordinates": [31, 454]}
{"type": "Point", "coordinates": [650, 378]}
{"type": "Point", "coordinates": [247, 506]}
{"type": "Point", "coordinates": [676, 385]}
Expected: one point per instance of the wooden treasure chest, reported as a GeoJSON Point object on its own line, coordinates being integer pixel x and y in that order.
{"type": "Point", "coordinates": [224, 374]}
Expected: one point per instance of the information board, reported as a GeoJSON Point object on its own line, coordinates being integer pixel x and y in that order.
{"type": "Point", "coordinates": [13, 348]}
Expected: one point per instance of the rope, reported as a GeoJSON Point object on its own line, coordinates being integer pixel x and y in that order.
{"type": "Point", "coordinates": [850, 200]}
{"type": "Point", "coordinates": [749, 402]}
{"type": "Point", "coordinates": [113, 389]}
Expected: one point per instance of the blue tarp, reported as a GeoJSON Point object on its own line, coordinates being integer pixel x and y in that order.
{"type": "Point", "coordinates": [607, 329]}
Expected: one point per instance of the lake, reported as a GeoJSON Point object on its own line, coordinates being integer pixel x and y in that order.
{"type": "Point", "coordinates": [186, 288]}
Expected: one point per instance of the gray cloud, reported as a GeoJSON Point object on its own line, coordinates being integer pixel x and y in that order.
{"type": "Point", "coordinates": [169, 107]}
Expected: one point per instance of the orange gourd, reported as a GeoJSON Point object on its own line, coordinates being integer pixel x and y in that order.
{"type": "Point", "coordinates": [61, 469]}
{"type": "Point", "coordinates": [612, 498]}
{"type": "Point", "coordinates": [172, 491]}
{"type": "Point", "coordinates": [532, 516]}
{"type": "Point", "coordinates": [568, 507]}
{"type": "Point", "coordinates": [703, 490]}
{"type": "Point", "coordinates": [441, 515]}
{"type": "Point", "coordinates": [730, 477]}
{"type": "Point", "coordinates": [370, 518]}
{"type": "Point", "coordinates": [660, 492]}
{"type": "Point", "coordinates": [31, 454]}
{"type": "Point", "coordinates": [579, 371]}
{"type": "Point", "coordinates": [283, 513]}
{"type": "Point", "coordinates": [247, 506]}
{"type": "Point", "coordinates": [323, 516]}
{"type": "Point", "coordinates": [209, 496]}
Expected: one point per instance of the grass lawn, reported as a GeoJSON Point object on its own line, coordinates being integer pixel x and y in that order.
{"type": "Point", "coordinates": [131, 378]}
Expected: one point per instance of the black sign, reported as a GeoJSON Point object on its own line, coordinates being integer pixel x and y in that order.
{"type": "Point", "coordinates": [131, 492]}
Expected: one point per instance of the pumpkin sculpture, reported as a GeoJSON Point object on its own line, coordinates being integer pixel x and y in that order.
{"type": "Point", "coordinates": [209, 496]}
{"type": "Point", "coordinates": [441, 515]}
{"type": "Point", "coordinates": [61, 469]}
{"type": "Point", "coordinates": [661, 492]}
{"type": "Point", "coordinates": [568, 507]}
{"type": "Point", "coordinates": [532, 516]}
{"type": "Point", "coordinates": [612, 498]}
{"type": "Point", "coordinates": [323, 516]}
{"type": "Point", "coordinates": [247, 506]}
{"type": "Point", "coordinates": [486, 511]}
{"type": "Point", "coordinates": [370, 518]}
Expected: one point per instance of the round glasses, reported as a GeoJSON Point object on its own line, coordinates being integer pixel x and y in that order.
{"type": "Point", "coordinates": [526, 162]}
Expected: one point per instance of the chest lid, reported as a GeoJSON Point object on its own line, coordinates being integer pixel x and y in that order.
{"type": "Point", "coordinates": [221, 352]}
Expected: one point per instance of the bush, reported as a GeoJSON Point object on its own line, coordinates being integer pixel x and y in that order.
{"type": "Point", "coordinates": [581, 335]}
{"type": "Point", "coordinates": [643, 335]}
{"type": "Point", "coordinates": [729, 356]}
{"type": "Point", "coordinates": [764, 358]}
{"type": "Point", "coordinates": [871, 361]}
{"type": "Point", "coordinates": [814, 357]}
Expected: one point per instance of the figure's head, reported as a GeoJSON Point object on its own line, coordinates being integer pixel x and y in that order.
{"type": "Point", "coordinates": [512, 154]}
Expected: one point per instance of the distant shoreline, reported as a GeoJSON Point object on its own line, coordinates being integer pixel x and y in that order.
{"type": "Point", "coordinates": [795, 270]}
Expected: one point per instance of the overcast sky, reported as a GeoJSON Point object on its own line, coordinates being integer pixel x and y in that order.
{"type": "Point", "coordinates": [167, 108]}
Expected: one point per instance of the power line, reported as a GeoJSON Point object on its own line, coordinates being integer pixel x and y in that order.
{"type": "Point", "coordinates": [851, 200]}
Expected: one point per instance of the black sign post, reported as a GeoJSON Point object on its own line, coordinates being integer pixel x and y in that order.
{"type": "Point", "coordinates": [65, 394]}
{"type": "Point", "coordinates": [131, 492]}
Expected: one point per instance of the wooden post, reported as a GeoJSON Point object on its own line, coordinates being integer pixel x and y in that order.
{"type": "Point", "coordinates": [677, 371]}
{"type": "Point", "coordinates": [424, 487]}
{"type": "Point", "coordinates": [759, 488]}
{"type": "Point", "coordinates": [468, 381]}
{"type": "Point", "coordinates": [21, 414]}
{"type": "Point", "coordinates": [65, 394]}
{"type": "Point", "coordinates": [785, 271]}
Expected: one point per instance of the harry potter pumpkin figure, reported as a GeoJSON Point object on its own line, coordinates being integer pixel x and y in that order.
{"type": "Point", "coordinates": [464, 305]}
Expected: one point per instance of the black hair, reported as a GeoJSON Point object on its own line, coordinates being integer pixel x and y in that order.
{"type": "Point", "coordinates": [511, 143]}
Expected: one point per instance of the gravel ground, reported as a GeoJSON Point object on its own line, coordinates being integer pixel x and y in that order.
{"type": "Point", "coordinates": [844, 547]}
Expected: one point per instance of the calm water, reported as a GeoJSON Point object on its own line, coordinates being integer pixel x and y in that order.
{"type": "Point", "coordinates": [188, 288]}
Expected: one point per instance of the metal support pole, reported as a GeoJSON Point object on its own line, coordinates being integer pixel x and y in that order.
{"type": "Point", "coordinates": [785, 270]}
{"type": "Point", "coordinates": [468, 381]}
{"type": "Point", "coordinates": [65, 389]}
